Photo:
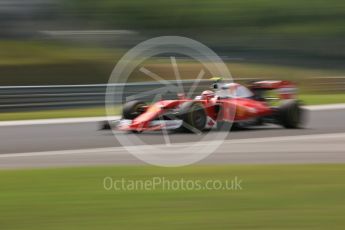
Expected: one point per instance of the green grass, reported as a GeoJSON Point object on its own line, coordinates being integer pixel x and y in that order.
{"type": "Point", "coordinates": [59, 63]}
{"type": "Point", "coordinates": [24, 53]}
{"type": "Point", "coordinates": [47, 114]}
{"type": "Point", "coordinates": [272, 197]}
{"type": "Point", "coordinates": [41, 63]}
{"type": "Point", "coordinates": [321, 99]}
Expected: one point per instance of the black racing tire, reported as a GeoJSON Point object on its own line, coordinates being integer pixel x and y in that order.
{"type": "Point", "coordinates": [193, 115]}
{"type": "Point", "coordinates": [133, 109]}
{"type": "Point", "coordinates": [290, 114]}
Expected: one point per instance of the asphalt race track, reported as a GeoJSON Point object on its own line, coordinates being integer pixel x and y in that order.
{"type": "Point", "coordinates": [57, 145]}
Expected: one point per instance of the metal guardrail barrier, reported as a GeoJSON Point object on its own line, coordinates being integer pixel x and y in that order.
{"type": "Point", "coordinates": [26, 98]}
{"type": "Point", "coordinates": [37, 97]}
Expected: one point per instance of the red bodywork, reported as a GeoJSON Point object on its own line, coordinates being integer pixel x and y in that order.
{"type": "Point", "coordinates": [233, 110]}
{"type": "Point", "coordinates": [217, 109]}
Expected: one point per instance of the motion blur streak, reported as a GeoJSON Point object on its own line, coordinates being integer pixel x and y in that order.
{"type": "Point", "coordinates": [69, 48]}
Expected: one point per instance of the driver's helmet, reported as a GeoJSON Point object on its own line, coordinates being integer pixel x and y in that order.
{"type": "Point", "coordinates": [207, 94]}
{"type": "Point", "coordinates": [231, 88]}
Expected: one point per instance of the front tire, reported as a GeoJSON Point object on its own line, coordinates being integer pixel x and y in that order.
{"type": "Point", "coordinates": [193, 116]}
{"type": "Point", "coordinates": [133, 109]}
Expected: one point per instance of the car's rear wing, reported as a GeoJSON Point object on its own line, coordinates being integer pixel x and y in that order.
{"type": "Point", "coordinates": [285, 89]}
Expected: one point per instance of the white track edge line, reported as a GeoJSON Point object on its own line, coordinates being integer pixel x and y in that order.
{"type": "Point", "coordinates": [186, 144]}
{"type": "Point", "coordinates": [103, 118]}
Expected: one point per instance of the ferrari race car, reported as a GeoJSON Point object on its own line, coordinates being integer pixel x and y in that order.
{"type": "Point", "coordinates": [226, 106]}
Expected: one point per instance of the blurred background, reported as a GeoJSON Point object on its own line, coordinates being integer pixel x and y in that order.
{"type": "Point", "coordinates": [54, 42]}
{"type": "Point", "coordinates": [45, 44]}
{"type": "Point", "coordinates": [79, 41]}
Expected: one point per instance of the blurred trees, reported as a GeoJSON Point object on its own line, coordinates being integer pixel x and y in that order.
{"type": "Point", "coordinates": [296, 29]}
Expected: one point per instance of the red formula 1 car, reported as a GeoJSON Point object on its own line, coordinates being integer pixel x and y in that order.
{"type": "Point", "coordinates": [227, 105]}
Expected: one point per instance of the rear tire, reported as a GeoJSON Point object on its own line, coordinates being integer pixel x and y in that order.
{"type": "Point", "coordinates": [290, 114]}
{"type": "Point", "coordinates": [133, 109]}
